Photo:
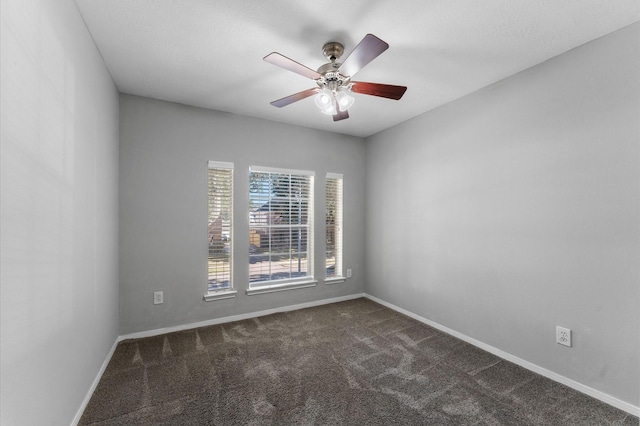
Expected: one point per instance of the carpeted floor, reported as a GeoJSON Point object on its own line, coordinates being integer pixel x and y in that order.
{"type": "Point", "coordinates": [348, 363]}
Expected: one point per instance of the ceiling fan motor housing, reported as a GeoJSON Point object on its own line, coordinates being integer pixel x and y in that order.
{"type": "Point", "coordinates": [331, 78]}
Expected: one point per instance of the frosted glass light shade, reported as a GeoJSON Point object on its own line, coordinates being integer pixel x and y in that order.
{"type": "Point", "coordinates": [324, 99]}
{"type": "Point", "coordinates": [331, 109]}
{"type": "Point", "coordinates": [344, 100]}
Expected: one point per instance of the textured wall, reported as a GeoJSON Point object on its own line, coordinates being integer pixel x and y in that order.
{"type": "Point", "coordinates": [516, 209]}
{"type": "Point", "coordinates": [164, 148]}
{"type": "Point", "coordinates": [59, 209]}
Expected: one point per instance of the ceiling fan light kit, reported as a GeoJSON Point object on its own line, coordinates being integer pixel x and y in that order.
{"type": "Point", "coordinates": [333, 94]}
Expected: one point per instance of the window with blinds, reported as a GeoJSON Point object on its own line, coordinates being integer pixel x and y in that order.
{"type": "Point", "coordinates": [220, 229]}
{"type": "Point", "coordinates": [280, 226]}
{"type": "Point", "coordinates": [333, 222]}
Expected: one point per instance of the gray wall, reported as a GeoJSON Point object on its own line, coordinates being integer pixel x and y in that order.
{"type": "Point", "coordinates": [515, 209]}
{"type": "Point", "coordinates": [59, 204]}
{"type": "Point", "coordinates": [164, 148]}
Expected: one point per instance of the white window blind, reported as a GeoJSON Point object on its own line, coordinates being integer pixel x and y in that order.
{"type": "Point", "coordinates": [220, 228]}
{"type": "Point", "coordinates": [280, 226]}
{"type": "Point", "coordinates": [333, 222]}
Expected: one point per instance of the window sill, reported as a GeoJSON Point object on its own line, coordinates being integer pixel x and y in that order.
{"type": "Point", "coordinates": [219, 295]}
{"type": "Point", "coordinates": [334, 280]}
{"type": "Point", "coordinates": [281, 287]}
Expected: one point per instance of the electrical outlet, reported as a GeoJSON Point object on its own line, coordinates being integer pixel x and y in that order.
{"type": "Point", "coordinates": [349, 273]}
{"type": "Point", "coordinates": [158, 297]}
{"type": "Point", "coordinates": [563, 336]}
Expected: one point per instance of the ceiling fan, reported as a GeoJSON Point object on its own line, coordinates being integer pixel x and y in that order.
{"type": "Point", "coordinates": [334, 78]}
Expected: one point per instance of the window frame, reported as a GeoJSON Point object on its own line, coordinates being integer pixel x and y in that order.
{"type": "Point", "coordinates": [226, 208]}
{"type": "Point", "coordinates": [254, 225]}
{"type": "Point", "coordinates": [338, 217]}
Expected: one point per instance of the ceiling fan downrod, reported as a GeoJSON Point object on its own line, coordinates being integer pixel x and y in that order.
{"type": "Point", "coordinates": [332, 50]}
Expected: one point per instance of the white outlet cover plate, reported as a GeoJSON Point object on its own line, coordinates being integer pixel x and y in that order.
{"type": "Point", "coordinates": [563, 336]}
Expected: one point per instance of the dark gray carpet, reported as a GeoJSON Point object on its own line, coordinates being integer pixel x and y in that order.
{"type": "Point", "coordinates": [348, 363]}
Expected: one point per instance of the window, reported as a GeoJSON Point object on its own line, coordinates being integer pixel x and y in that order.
{"type": "Point", "coordinates": [220, 227]}
{"type": "Point", "coordinates": [280, 228]}
{"type": "Point", "coordinates": [333, 222]}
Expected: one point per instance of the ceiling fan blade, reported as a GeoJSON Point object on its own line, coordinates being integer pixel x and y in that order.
{"type": "Point", "coordinates": [366, 51]}
{"type": "Point", "coordinates": [376, 89]}
{"type": "Point", "coordinates": [291, 65]}
{"type": "Point", "coordinates": [294, 98]}
{"type": "Point", "coordinates": [340, 115]}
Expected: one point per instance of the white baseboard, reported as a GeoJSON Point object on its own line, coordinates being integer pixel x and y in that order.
{"type": "Point", "coordinates": [159, 331]}
{"type": "Point", "coordinates": [94, 385]}
{"type": "Point", "coordinates": [608, 399]}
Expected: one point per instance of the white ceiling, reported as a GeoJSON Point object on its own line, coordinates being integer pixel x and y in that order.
{"type": "Point", "coordinates": [208, 53]}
